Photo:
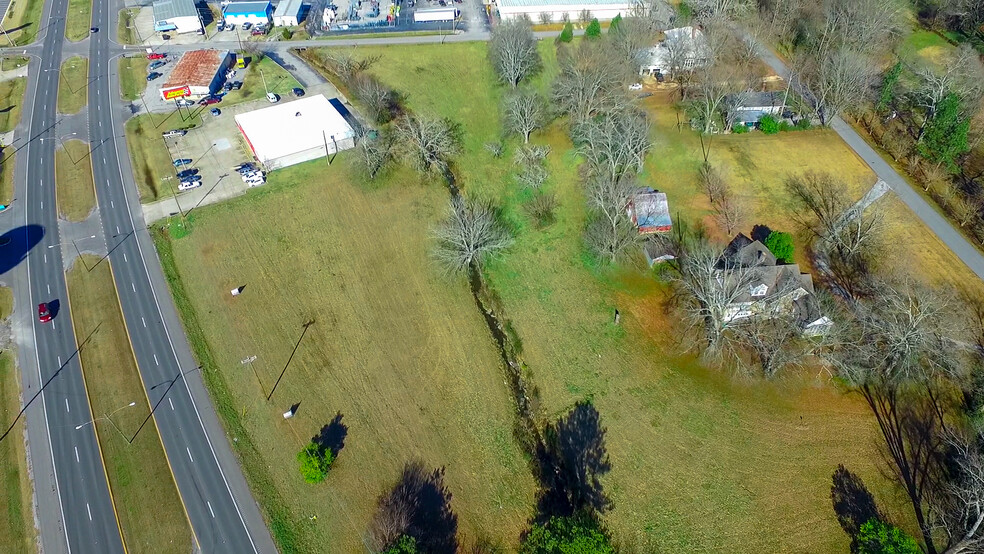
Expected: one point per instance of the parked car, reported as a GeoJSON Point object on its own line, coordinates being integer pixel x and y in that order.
{"type": "Point", "coordinates": [156, 56]}
{"type": "Point", "coordinates": [174, 133]}
{"type": "Point", "coordinates": [231, 27]}
{"type": "Point", "coordinates": [153, 75]}
{"type": "Point", "coordinates": [257, 32]}
{"type": "Point", "coordinates": [185, 173]}
{"type": "Point", "coordinates": [165, 37]}
{"type": "Point", "coordinates": [297, 91]}
{"type": "Point", "coordinates": [44, 314]}
{"type": "Point", "coordinates": [215, 112]}
{"type": "Point", "coordinates": [244, 167]}
{"type": "Point", "coordinates": [247, 25]}
{"type": "Point", "coordinates": [188, 185]}
{"type": "Point", "coordinates": [158, 63]}
{"type": "Point", "coordinates": [182, 161]}
{"type": "Point", "coordinates": [272, 98]}
{"type": "Point", "coordinates": [236, 85]}
{"type": "Point", "coordinates": [227, 86]}
{"type": "Point", "coordinates": [220, 26]}
{"type": "Point", "coordinates": [209, 100]}
{"type": "Point", "coordinates": [185, 102]}
{"type": "Point", "coordinates": [635, 86]}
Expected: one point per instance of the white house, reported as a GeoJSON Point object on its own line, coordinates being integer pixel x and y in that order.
{"type": "Point", "coordinates": [683, 48]}
{"type": "Point", "coordinates": [288, 13]}
{"type": "Point", "coordinates": [603, 10]}
{"type": "Point", "coordinates": [178, 16]}
{"type": "Point", "coordinates": [255, 13]}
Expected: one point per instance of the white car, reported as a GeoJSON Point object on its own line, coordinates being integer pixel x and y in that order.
{"type": "Point", "coordinates": [273, 98]}
{"type": "Point", "coordinates": [188, 185]}
{"type": "Point", "coordinates": [635, 86]}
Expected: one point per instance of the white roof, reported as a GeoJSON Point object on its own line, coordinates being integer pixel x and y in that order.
{"type": "Point", "coordinates": [288, 7]}
{"type": "Point", "coordinates": [566, 4]}
{"type": "Point", "coordinates": [292, 127]}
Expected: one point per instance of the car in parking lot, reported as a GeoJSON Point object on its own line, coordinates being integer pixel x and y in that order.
{"type": "Point", "coordinates": [209, 100]}
{"type": "Point", "coordinates": [156, 56]}
{"type": "Point", "coordinates": [220, 26]}
{"type": "Point", "coordinates": [215, 112]}
{"type": "Point", "coordinates": [182, 161]}
{"type": "Point", "coordinates": [247, 25]}
{"type": "Point", "coordinates": [153, 75]}
{"type": "Point", "coordinates": [258, 32]}
{"type": "Point", "coordinates": [44, 314]}
{"type": "Point", "coordinates": [185, 102]}
{"type": "Point", "coordinates": [236, 85]}
{"type": "Point", "coordinates": [165, 37]}
{"type": "Point", "coordinates": [230, 26]}
{"type": "Point", "coordinates": [158, 63]}
{"type": "Point", "coordinates": [185, 173]}
{"type": "Point", "coordinates": [188, 185]}
{"type": "Point", "coordinates": [297, 91]}
{"type": "Point", "coordinates": [272, 98]}
{"type": "Point", "coordinates": [227, 86]}
{"type": "Point", "coordinates": [174, 133]}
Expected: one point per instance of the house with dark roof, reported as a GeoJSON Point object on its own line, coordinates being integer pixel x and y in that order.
{"type": "Point", "coordinates": [768, 288]}
{"type": "Point", "coordinates": [649, 211]}
{"type": "Point", "coordinates": [748, 108]}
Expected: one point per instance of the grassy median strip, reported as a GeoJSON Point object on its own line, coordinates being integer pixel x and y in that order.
{"type": "Point", "coordinates": [16, 525]}
{"type": "Point", "coordinates": [148, 154]}
{"type": "Point", "coordinates": [79, 19]}
{"type": "Point", "coordinates": [125, 28]}
{"type": "Point", "coordinates": [73, 85]}
{"type": "Point", "coordinates": [6, 175]}
{"type": "Point", "coordinates": [73, 181]}
{"type": "Point", "coordinates": [11, 102]}
{"type": "Point", "coordinates": [147, 501]}
{"type": "Point", "coordinates": [133, 77]}
{"type": "Point", "coordinates": [22, 22]}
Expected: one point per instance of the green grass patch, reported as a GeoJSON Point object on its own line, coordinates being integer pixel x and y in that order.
{"type": "Point", "coordinates": [147, 501]}
{"type": "Point", "coordinates": [73, 180]}
{"type": "Point", "coordinates": [73, 85]}
{"type": "Point", "coordinates": [22, 22]}
{"type": "Point", "coordinates": [79, 19]}
{"type": "Point", "coordinates": [278, 81]}
{"type": "Point", "coordinates": [125, 26]}
{"type": "Point", "coordinates": [133, 77]}
{"type": "Point", "coordinates": [11, 102]}
{"type": "Point", "coordinates": [8, 63]}
{"type": "Point", "coordinates": [6, 175]}
{"type": "Point", "coordinates": [153, 170]}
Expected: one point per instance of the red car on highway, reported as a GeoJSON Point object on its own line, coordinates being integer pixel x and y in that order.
{"type": "Point", "coordinates": [44, 314]}
{"type": "Point", "coordinates": [156, 56]}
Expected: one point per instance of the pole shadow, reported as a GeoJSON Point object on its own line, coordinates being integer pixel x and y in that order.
{"type": "Point", "coordinates": [16, 243]}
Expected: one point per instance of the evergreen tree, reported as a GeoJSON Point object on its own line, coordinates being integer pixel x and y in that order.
{"type": "Point", "coordinates": [593, 29]}
{"type": "Point", "coordinates": [945, 138]}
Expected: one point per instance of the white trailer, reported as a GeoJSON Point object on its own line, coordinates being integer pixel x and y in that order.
{"type": "Point", "coordinates": [435, 14]}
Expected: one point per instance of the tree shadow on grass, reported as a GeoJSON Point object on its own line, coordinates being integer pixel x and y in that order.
{"type": "Point", "coordinates": [853, 503]}
{"type": "Point", "coordinates": [419, 506]}
{"type": "Point", "coordinates": [572, 458]}
{"type": "Point", "coordinates": [332, 436]}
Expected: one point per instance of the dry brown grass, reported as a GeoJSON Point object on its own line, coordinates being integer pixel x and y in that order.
{"type": "Point", "coordinates": [73, 180]}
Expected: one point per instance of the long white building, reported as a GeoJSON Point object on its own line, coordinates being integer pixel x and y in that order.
{"type": "Point", "coordinates": [604, 10]}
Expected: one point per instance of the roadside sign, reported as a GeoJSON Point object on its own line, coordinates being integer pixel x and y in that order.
{"type": "Point", "coordinates": [172, 93]}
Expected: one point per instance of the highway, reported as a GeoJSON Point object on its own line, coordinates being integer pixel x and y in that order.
{"type": "Point", "coordinates": [85, 509]}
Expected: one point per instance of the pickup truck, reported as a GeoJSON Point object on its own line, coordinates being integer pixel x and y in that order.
{"type": "Point", "coordinates": [174, 133]}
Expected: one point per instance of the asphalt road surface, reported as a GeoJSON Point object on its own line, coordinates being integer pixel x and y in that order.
{"type": "Point", "coordinates": [89, 521]}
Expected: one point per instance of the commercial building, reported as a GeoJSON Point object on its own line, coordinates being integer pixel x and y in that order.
{"type": "Point", "coordinates": [178, 16]}
{"type": "Point", "coordinates": [604, 10]}
{"type": "Point", "coordinates": [198, 73]}
{"type": "Point", "coordinates": [288, 13]}
{"type": "Point", "coordinates": [247, 12]}
{"type": "Point", "coordinates": [294, 132]}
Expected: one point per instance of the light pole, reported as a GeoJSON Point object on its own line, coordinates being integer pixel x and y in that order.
{"type": "Point", "coordinates": [108, 417]}
{"type": "Point", "coordinates": [77, 251]}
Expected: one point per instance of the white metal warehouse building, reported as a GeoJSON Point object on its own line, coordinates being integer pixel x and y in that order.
{"type": "Point", "coordinates": [179, 16]}
{"type": "Point", "coordinates": [295, 132]}
{"type": "Point", "coordinates": [604, 10]}
{"type": "Point", "coordinates": [288, 13]}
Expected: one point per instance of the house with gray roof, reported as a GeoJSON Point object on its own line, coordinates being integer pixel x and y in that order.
{"type": "Point", "coordinates": [177, 16]}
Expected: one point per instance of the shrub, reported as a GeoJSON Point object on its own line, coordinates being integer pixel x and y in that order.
{"type": "Point", "coordinates": [768, 125]}
{"type": "Point", "coordinates": [567, 34]}
{"type": "Point", "coordinates": [593, 29]}
{"type": "Point", "coordinates": [404, 545]}
{"type": "Point", "coordinates": [739, 129]}
{"type": "Point", "coordinates": [785, 126]}
{"type": "Point", "coordinates": [781, 246]}
{"type": "Point", "coordinates": [878, 537]}
{"type": "Point", "coordinates": [286, 34]}
{"type": "Point", "coordinates": [541, 209]}
{"type": "Point", "coordinates": [496, 148]}
{"type": "Point", "coordinates": [803, 124]}
{"type": "Point", "coordinates": [315, 462]}
{"type": "Point", "coordinates": [563, 535]}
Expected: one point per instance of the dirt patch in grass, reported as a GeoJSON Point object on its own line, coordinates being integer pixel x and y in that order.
{"type": "Point", "coordinates": [23, 21]}
{"type": "Point", "coordinates": [79, 19]}
{"type": "Point", "coordinates": [73, 180]}
{"type": "Point", "coordinates": [133, 77]}
{"type": "Point", "coordinates": [397, 349]}
{"type": "Point", "coordinates": [73, 85]}
{"type": "Point", "coordinates": [11, 102]}
{"type": "Point", "coordinates": [147, 501]}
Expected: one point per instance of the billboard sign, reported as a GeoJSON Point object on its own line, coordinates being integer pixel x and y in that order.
{"type": "Point", "coordinates": [172, 93]}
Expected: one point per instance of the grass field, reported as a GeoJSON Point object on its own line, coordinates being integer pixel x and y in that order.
{"type": "Point", "coordinates": [138, 473]}
{"type": "Point", "coordinates": [13, 62]}
{"type": "Point", "coordinates": [278, 81]}
{"type": "Point", "coordinates": [124, 26]}
{"type": "Point", "coordinates": [7, 175]}
{"type": "Point", "coordinates": [73, 85]}
{"type": "Point", "coordinates": [11, 102]}
{"type": "Point", "coordinates": [73, 180]}
{"type": "Point", "coordinates": [79, 19]}
{"type": "Point", "coordinates": [402, 355]}
{"type": "Point", "coordinates": [133, 76]}
{"type": "Point", "coordinates": [23, 21]}
{"type": "Point", "coordinates": [17, 533]}
{"type": "Point", "coordinates": [148, 154]}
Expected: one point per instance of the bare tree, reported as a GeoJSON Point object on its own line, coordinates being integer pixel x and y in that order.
{"type": "Point", "coordinates": [380, 101]}
{"type": "Point", "coordinates": [730, 211]}
{"type": "Point", "coordinates": [773, 339]}
{"type": "Point", "coordinates": [614, 142]}
{"type": "Point", "coordinates": [523, 113]}
{"type": "Point", "coordinates": [639, 28]}
{"type": "Point", "coordinates": [712, 182]}
{"type": "Point", "coordinates": [584, 17]}
{"type": "Point", "coordinates": [374, 153]}
{"type": "Point", "coordinates": [864, 24]}
{"type": "Point", "coordinates": [611, 233]}
{"type": "Point", "coordinates": [961, 73]}
{"type": "Point", "coordinates": [546, 18]}
{"type": "Point", "coordinates": [470, 234]}
{"type": "Point", "coordinates": [830, 215]}
{"type": "Point", "coordinates": [721, 75]}
{"type": "Point", "coordinates": [723, 9]}
{"type": "Point", "coordinates": [345, 63]}
{"type": "Point", "coordinates": [530, 159]}
{"type": "Point", "coordinates": [963, 517]}
{"type": "Point", "coordinates": [512, 50]}
{"type": "Point", "coordinates": [426, 144]}
{"type": "Point", "coordinates": [588, 82]}
{"type": "Point", "coordinates": [839, 79]}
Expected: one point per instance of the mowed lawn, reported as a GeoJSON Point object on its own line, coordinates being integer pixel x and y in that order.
{"type": "Point", "coordinates": [11, 102]}
{"type": "Point", "coordinates": [79, 19]}
{"type": "Point", "coordinates": [73, 85]}
{"type": "Point", "coordinates": [278, 81]}
{"type": "Point", "coordinates": [397, 349]}
{"type": "Point", "coordinates": [147, 502]}
{"type": "Point", "coordinates": [16, 522]}
{"type": "Point", "coordinates": [153, 169]}
{"type": "Point", "coordinates": [700, 461]}
{"type": "Point", "coordinates": [23, 21]}
{"type": "Point", "coordinates": [73, 180]}
{"type": "Point", "coordinates": [133, 76]}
